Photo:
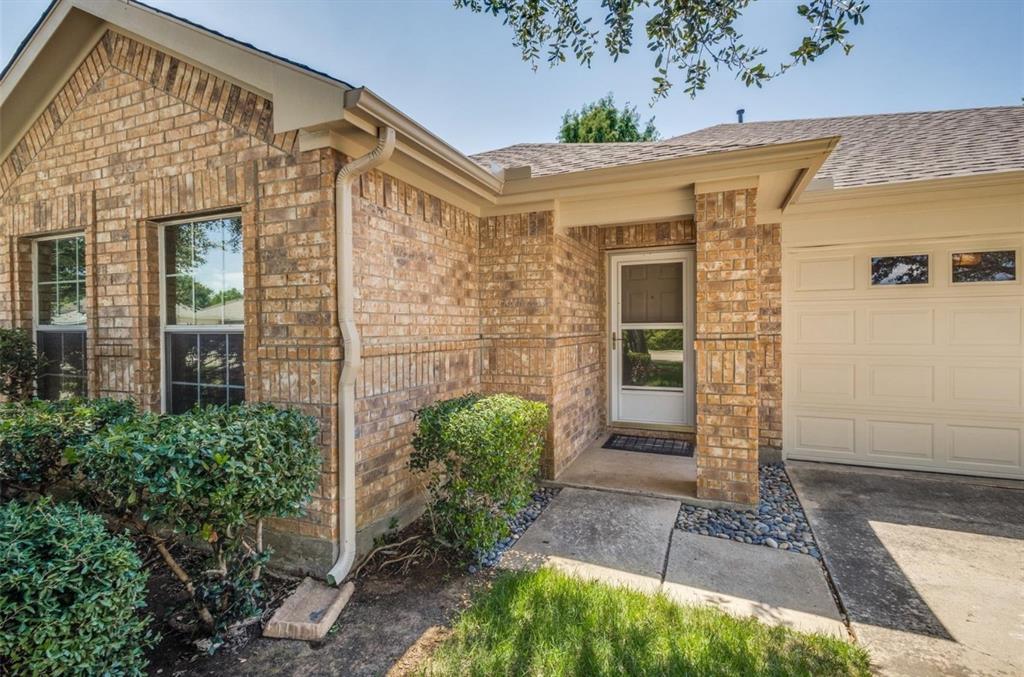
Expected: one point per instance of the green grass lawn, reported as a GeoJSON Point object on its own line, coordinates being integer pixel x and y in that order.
{"type": "Point", "coordinates": [548, 623]}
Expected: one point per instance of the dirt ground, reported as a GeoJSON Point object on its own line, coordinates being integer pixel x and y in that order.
{"type": "Point", "coordinates": [390, 623]}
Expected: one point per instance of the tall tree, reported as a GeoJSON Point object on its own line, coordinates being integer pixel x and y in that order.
{"type": "Point", "coordinates": [688, 36]}
{"type": "Point", "coordinates": [602, 122]}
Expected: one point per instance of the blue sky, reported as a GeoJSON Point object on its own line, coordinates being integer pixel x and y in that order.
{"type": "Point", "coordinates": [457, 73]}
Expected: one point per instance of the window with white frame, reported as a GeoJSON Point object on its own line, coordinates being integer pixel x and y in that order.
{"type": "Point", "coordinates": [202, 308]}
{"type": "Point", "coordinates": [58, 296]}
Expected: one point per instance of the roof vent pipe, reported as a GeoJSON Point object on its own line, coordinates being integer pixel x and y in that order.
{"type": "Point", "coordinates": [345, 421]}
{"type": "Point", "coordinates": [739, 115]}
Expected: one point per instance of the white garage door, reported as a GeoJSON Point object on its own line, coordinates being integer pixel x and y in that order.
{"type": "Point", "coordinates": [906, 355]}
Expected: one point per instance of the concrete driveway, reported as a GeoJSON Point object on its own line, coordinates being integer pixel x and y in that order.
{"type": "Point", "coordinates": [929, 568]}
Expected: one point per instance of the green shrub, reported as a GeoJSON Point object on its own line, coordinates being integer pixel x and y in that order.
{"type": "Point", "coordinates": [69, 594]}
{"type": "Point", "coordinates": [211, 474]}
{"type": "Point", "coordinates": [481, 457]}
{"type": "Point", "coordinates": [38, 439]}
{"type": "Point", "coordinates": [19, 364]}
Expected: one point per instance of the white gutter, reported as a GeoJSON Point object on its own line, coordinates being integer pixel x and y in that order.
{"type": "Point", "coordinates": [345, 422]}
{"type": "Point", "coordinates": [418, 140]}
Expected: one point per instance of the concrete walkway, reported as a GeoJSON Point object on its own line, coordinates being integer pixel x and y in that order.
{"type": "Point", "coordinates": [930, 568]}
{"type": "Point", "coordinates": [631, 540]}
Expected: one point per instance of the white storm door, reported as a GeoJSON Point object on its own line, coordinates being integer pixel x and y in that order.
{"type": "Point", "coordinates": [652, 335]}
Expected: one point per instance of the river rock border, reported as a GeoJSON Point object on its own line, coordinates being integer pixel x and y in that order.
{"type": "Point", "coordinates": [518, 525]}
{"type": "Point", "coordinates": [778, 522]}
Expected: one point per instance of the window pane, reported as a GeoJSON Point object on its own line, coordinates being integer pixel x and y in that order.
{"type": "Point", "coordinates": [209, 304]}
{"type": "Point", "coordinates": [206, 256]}
{"type": "Point", "coordinates": [46, 300]}
{"type": "Point", "coordinates": [209, 272]}
{"type": "Point", "coordinates": [652, 358]}
{"type": "Point", "coordinates": [71, 387]}
{"type": "Point", "coordinates": [70, 307]}
{"type": "Point", "coordinates": [652, 292]}
{"type": "Point", "coordinates": [48, 387]}
{"type": "Point", "coordinates": [183, 398]}
{"type": "Point", "coordinates": [49, 345]}
{"type": "Point", "coordinates": [178, 249]}
{"type": "Point", "coordinates": [236, 374]}
{"type": "Point", "coordinates": [184, 358]}
{"type": "Point", "coordinates": [211, 396]}
{"type": "Point", "coordinates": [64, 365]}
{"type": "Point", "coordinates": [213, 363]}
{"type": "Point", "coordinates": [67, 260]}
{"type": "Point", "coordinates": [897, 270]}
{"type": "Point", "coordinates": [80, 258]}
{"type": "Point", "coordinates": [179, 300]}
{"type": "Point", "coordinates": [234, 307]}
{"type": "Point", "coordinates": [233, 282]}
{"type": "Point", "coordinates": [46, 261]}
{"type": "Point", "coordinates": [200, 368]}
{"type": "Point", "coordinates": [73, 363]}
{"type": "Point", "coordinates": [995, 266]}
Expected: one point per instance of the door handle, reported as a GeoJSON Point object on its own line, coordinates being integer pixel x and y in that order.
{"type": "Point", "coordinates": [613, 340]}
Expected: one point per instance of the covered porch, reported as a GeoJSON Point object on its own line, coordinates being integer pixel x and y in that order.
{"type": "Point", "coordinates": [632, 472]}
{"type": "Point", "coordinates": [683, 343]}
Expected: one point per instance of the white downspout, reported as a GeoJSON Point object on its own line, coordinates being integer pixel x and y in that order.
{"type": "Point", "coordinates": [352, 360]}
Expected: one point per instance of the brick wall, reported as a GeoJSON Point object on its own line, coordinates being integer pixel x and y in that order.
{"type": "Point", "coordinates": [516, 305]}
{"type": "Point", "coordinates": [578, 344]}
{"type": "Point", "coordinates": [769, 336]}
{"type": "Point", "coordinates": [417, 304]}
{"type": "Point", "coordinates": [728, 303]}
{"type": "Point", "coordinates": [137, 136]}
{"type": "Point", "coordinates": [659, 234]}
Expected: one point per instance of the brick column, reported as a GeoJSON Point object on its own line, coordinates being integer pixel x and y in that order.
{"type": "Point", "coordinates": [728, 303]}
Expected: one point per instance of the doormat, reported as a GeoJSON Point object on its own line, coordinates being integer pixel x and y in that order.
{"type": "Point", "coordinates": [649, 445]}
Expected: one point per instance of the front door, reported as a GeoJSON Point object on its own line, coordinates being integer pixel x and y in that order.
{"type": "Point", "coordinates": [652, 334]}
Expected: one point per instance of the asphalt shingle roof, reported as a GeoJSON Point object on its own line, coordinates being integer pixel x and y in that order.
{"type": "Point", "coordinates": [546, 159]}
{"type": "Point", "coordinates": [873, 149]}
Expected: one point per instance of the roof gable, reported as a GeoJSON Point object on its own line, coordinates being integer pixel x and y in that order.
{"type": "Point", "coordinates": [70, 29]}
{"type": "Point", "coordinates": [238, 107]}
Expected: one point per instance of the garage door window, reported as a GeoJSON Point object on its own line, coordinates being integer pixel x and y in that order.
{"type": "Point", "coordinates": [899, 270]}
{"type": "Point", "coordinates": [992, 266]}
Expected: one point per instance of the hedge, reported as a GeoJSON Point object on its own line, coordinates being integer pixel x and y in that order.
{"type": "Point", "coordinates": [70, 594]}
{"type": "Point", "coordinates": [38, 438]}
{"type": "Point", "coordinates": [212, 474]}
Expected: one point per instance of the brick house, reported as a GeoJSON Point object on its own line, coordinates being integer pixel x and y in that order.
{"type": "Point", "coordinates": [185, 218]}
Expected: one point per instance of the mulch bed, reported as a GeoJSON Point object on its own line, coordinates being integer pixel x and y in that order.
{"type": "Point", "coordinates": [398, 612]}
{"type": "Point", "coordinates": [405, 597]}
{"type": "Point", "coordinates": [182, 644]}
